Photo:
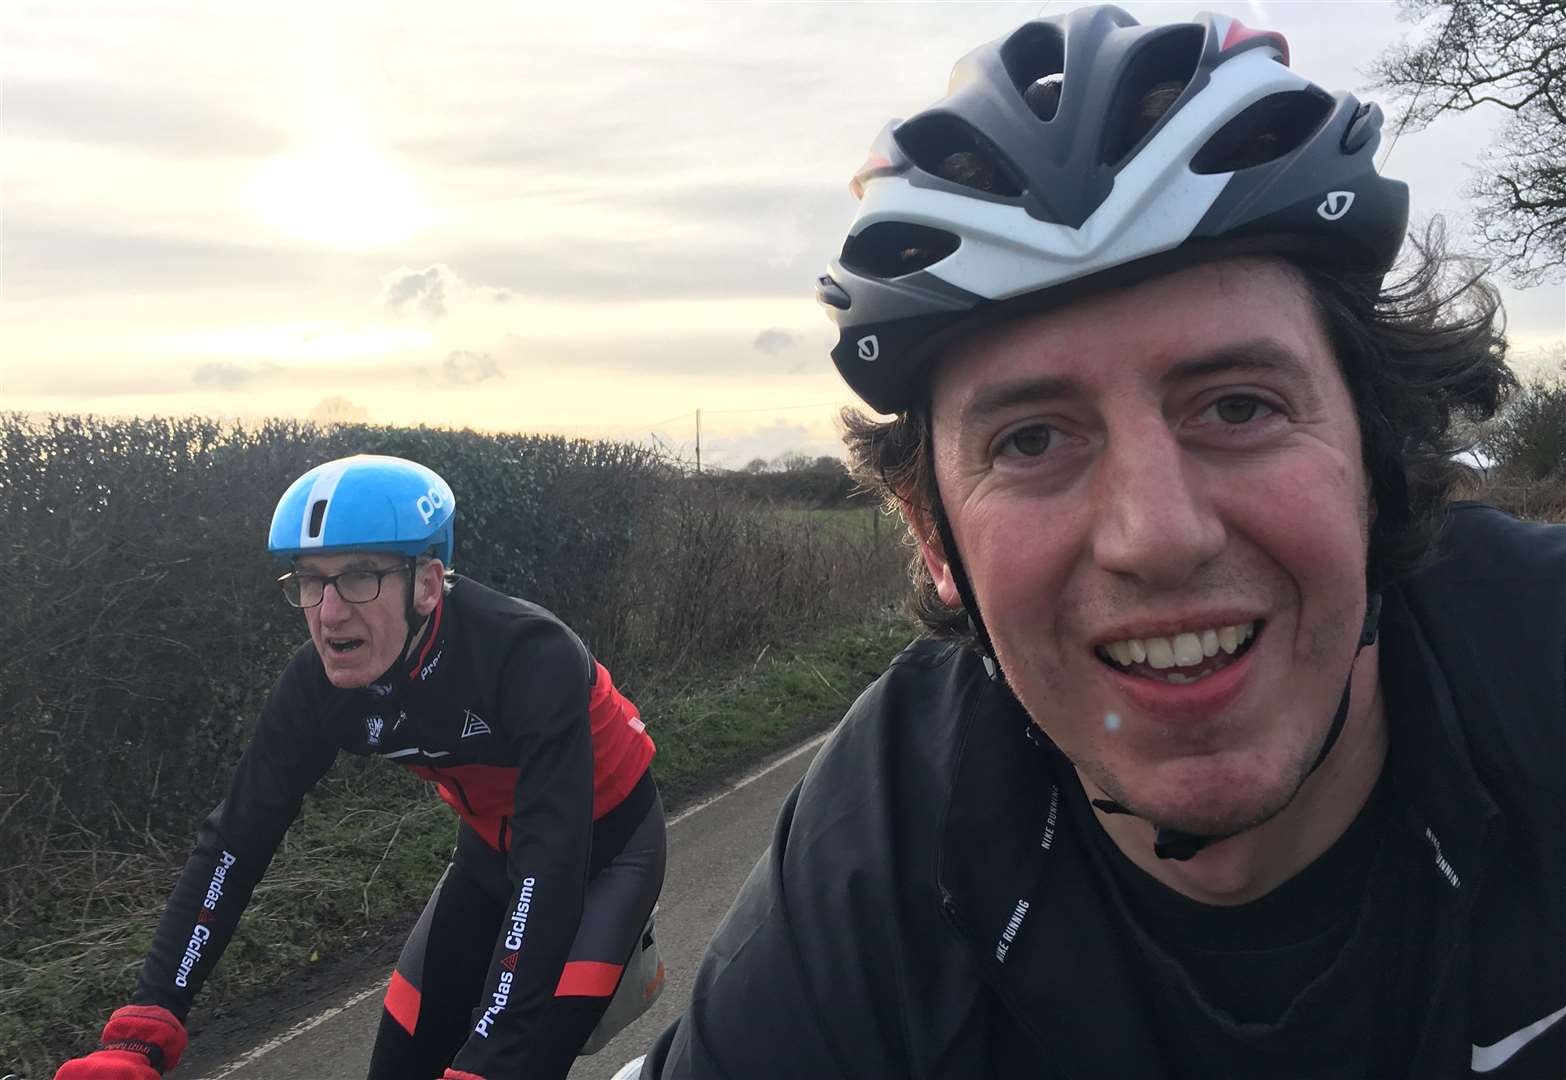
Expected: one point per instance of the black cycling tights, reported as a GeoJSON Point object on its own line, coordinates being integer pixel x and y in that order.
{"type": "Point", "coordinates": [446, 958]}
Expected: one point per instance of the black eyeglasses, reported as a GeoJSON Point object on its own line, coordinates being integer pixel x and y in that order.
{"type": "Point", "coordinates": [355, 586]}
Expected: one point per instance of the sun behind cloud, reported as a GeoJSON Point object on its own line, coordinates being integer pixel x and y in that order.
{"type": "Point", "coordinates": [337, 192]}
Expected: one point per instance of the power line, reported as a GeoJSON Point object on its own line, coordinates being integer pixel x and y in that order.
{"type": "Point", "coordinates": [638, 426]}
{"type": "Point", "coordinates": [616, 432]}
{"type": "Point", "coordinates": [1420, 89]}
{"type": "Point", "coordinates": [776, 408]}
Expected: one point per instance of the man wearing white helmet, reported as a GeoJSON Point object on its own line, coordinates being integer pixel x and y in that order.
{"type": "Point", "coordinates": [1233, 747]}
{"type": "Point", "coordinates": [560, 852]}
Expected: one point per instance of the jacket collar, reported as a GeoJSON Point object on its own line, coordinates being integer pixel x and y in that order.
{"type": "Point", "coordinates": [1010, 880]}
{"type": "Point", "coordinates": [1442, 797]}
{"type": "Point", "coordinates": [1013, 880]}
{"type": "Point", "coordinates": [431, 652]}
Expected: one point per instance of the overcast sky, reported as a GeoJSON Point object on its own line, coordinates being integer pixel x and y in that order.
{"type": "Point", "coordinates": [593, 218]}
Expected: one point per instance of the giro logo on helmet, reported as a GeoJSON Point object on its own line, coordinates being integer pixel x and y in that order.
{"type": "Point", "coordinates": [869, 348]}
{"type": "Point", "coordinates": [428, 503]}
{"type": "Point", "coordinates": [1335, 205]}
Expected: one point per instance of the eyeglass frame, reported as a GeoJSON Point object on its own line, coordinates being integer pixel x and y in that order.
{"type": "Point", "coordinates": [409, 566]}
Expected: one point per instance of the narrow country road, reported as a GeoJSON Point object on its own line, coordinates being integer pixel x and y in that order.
{"type": "Point", "coordinates": [712, 847]}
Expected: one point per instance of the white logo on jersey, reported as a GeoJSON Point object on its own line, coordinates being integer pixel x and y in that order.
{"type": "Point", "coordinates": [1336, 204]}
{"type": "Point", "coordinates": [869, 348]}
{"type": "Point", "coordinates": [472, 725]}
{"type": "Point", "coordinates": [1489, 1058]}
{"type": "Point", "coordinates": [372, 729]}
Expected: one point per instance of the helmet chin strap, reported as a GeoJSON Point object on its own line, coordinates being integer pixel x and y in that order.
{"type": "Point", "coordinates": [1168, 843]}
{"type": "Point", "coordinates": [416, 626]}
{"type": "Point", "coordinates": [1179, 845]}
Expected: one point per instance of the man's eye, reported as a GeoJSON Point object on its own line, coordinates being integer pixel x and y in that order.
{"type": "Point", "coordinates": [1027, 442]}
{"type": "Point", "coordinates": [1240, 410]}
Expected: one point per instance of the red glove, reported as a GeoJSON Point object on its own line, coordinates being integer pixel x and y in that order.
{"type": "Point", "coordinates": [140, 1042]}
{"type": "Point", "coordinates": [109, 1065]}
{"type": "Point", "coordinates": [457, 1074]}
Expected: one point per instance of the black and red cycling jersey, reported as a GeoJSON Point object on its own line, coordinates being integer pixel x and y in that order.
{"type": "Point", "coordinates": [507, 712]}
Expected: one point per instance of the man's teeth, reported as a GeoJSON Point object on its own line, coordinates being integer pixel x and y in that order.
{"type": "Point", "coordinates": [1182, 650]}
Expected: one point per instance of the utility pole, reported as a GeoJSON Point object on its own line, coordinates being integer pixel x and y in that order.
{"type": "Point", "coordinates": [698, 441]}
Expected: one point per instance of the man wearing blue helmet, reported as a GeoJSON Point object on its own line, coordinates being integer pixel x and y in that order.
{"type": "Point", "coordinates": [560, 851]}
{"type": "Point", "coordinates": [1234, 747]}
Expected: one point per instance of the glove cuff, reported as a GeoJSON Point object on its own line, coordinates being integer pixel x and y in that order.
{"type": "Point", "coordinates": [458, 1074]}
{"type": "Point", "coordinates": [149, 1030]}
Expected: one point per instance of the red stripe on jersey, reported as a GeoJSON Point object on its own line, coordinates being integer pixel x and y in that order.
{"type": "Point", "coordinates": [621, 745]}
{"type": "Point", "coordinates": [485, 795]}
{"type": "Point", "coordinates": [424, 653]}
{"type": "Point", "coordinates": [402, 1002]}
{"type": "Point", "coordinates": [588, 978]}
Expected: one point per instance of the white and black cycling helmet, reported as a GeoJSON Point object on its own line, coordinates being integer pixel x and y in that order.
{"type": "Point", "coordinates": [1083, 151]}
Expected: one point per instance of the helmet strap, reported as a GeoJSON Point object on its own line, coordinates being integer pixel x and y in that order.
{"type": "Point", "coordinates": [954, 564]}
{"type": "Point", "coordinates": [1179, 845]}
{"type": "Point", "coordinates": [1173, 844]}
{"type": "Point", "coordinates": [416, 623]}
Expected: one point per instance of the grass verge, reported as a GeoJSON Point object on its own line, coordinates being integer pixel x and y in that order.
{"type": "Point", "coordinates": [366, 849]}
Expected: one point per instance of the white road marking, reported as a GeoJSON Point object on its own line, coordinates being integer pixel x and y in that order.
{"type": "Point", "coordinates": [322, 1017]}
{"type": "Point", "coordinates": [752, 777]}
{"type": "Point", "coordinates": [293, 1033]}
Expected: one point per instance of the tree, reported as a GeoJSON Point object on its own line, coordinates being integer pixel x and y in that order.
{"type": "Point", "coordinates": [791, 461]}
{"type": "Point", "coordinates": [755, 466]}
{"type": "Point", "coordinates": [1510, 54]}
{"type": "Point", "coordinates": [1527, 439]}
{"type": "Point", "coordinates": [338, 410]}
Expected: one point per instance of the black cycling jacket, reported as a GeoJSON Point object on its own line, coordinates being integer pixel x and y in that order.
{"type": "Point", "coordinates": [925, 910]}
{"type": "Point", "coordinates": [503, 708]}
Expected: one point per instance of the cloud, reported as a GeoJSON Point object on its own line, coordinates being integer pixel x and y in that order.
{"type": "Point", "coordinates": [45, 260]}
{"type": "Point", "coordinates": [466, 368]}
{"type": "Point", "coordinates": [338, 410]}
{"type": "Point", "coordinates": [773, 341]}
{"type": "Point", "coordinates": [425, 289]}
{"type": "Point", "coordinates": [433, 290]}
{"type": "Point", "coordinates": [132, 115]}
{"type": "Point", "coordinates": [229, 375]}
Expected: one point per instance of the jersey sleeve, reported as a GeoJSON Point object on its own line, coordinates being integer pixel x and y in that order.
{"type": "Point", "coordinates": [757, 1010]}
{"type": "Point", "coordinates": [546, 691]}
{"type": "Point", "coordinates": [286, 758]}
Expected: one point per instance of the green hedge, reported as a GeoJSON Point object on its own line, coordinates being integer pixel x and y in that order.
{"type": "Point", "coordinates": [144, 628]}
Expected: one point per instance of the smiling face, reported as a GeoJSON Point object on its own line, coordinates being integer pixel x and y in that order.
{"type": "Point", "coordinates": [1159, 498]}
{"type": "Point", "coordinates": [358, 642]}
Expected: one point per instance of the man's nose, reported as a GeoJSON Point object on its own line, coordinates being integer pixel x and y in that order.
{"type": "Point", "coordinates": [1153, 518]}
{"type": "Point", "coordinates": [333, 607]}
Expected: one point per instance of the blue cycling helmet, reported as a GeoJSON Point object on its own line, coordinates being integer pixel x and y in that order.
{"type": "Point", "coordinates": [367, 502]}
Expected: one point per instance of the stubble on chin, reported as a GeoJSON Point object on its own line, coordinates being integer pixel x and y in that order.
{"type": "Point", "coordinates": [1228, 790]}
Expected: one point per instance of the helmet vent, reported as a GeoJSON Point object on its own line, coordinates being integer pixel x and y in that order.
{"type": "Point", "coordinates": [1035, 58]}
{"type": "Point", "coordinates": [1264, 131]}
{"type": "Point", "coordinates": [317, 516]}
{"type": "Point", "coordinates": [1157, 76]}
{"type": "Point", "coordinates": [945, 146]}
{"type": "Point", "coordinates": [890, 249]}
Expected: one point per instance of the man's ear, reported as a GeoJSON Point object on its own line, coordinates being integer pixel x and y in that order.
{"type": "Point", "coordinates": [428, 581]}
{"type": "Point", "coordinates": [932, 552]}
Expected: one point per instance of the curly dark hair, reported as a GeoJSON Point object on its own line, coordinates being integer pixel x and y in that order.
{"type": "Point", "coordinates": [1421, 355]}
